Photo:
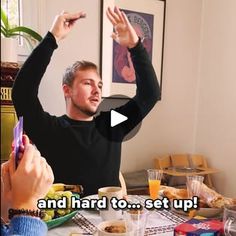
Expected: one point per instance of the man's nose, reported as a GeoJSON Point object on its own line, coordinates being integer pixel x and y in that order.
{"type": "Point", "coordinates": [96, 89]}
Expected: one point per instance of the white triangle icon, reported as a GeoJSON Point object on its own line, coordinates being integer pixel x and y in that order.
{"type": "Point", "coordinates": [117, 118]}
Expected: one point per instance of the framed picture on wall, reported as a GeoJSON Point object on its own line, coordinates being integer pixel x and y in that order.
{"type": "Point", "coordinates": [148, 19]}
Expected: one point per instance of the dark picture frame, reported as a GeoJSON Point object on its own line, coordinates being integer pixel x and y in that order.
{"type": "Point", "coordinates": [148, 18]}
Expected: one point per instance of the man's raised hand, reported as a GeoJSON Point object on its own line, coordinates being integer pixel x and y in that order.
{"type": "Point", "coordinates": [124, 33]}
{"type": "Point", "coordinates": [63, 24]}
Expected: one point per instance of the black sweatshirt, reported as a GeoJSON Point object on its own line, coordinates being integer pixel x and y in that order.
{"type": "Point", "coordinates": [81, 152]}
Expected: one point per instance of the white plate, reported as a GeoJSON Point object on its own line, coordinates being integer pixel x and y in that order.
{"type": "Point", "coordinates": [209, 212]}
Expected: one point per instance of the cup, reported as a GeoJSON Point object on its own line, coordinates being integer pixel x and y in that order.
{"type": "Point", "coordinates": [194, 185]}
{"type": "Point", "coordinates": [135, 221]}
{"type": "Point", "coordinates": [229, 219]}
{"type": "Point", "coordinates": [109, 193]}
{"type": "Point", "coordinates": [154, 181]}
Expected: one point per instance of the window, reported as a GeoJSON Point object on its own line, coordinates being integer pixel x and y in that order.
{"type": "Point", "coordinates": [12, 9]}
{"type": "Point", "coordinates": [22, 13]}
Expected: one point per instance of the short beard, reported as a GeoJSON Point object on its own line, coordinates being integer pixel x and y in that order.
{"type": "Point", "coordinates": [85, 110]}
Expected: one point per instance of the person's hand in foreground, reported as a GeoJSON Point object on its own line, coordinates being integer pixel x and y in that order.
{"type": "Point", "coordinates": [22, 187]}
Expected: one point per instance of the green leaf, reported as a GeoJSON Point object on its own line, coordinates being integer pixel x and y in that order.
{"type": "Point", "coordinates": [13, 34]}
{"type": "Point", "coordinates": [26, 30]}
{"type": "Point", "coordinates": [3, 31]}
{"type": "Point", "coordinates": [10, 31]}
{"type": "Point", "coordinates": [4, 19]}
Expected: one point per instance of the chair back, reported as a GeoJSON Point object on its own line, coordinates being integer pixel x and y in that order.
{"type": "Point", "coordinates": [182, 160]}
{"type": "Point", "coordinates": [198, 160]}
{"type": "Point", "coordinates": [179, 160]}
{"type": "Point", "coordinates": [162, 162]}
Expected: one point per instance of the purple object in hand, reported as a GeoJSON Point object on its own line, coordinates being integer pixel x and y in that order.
{"type": "Point", "coordinates": [18, 132]}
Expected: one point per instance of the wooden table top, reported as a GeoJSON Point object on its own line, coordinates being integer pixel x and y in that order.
{"type": "Point", "coordinates": [199, 171]}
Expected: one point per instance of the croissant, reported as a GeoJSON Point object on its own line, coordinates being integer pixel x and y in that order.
{"type": "Point", "coordinates": [174, 193]}
{"type": "Point", "coordinates": [208, 196]}
{"type": "Point", "coordinates": [214, 199]}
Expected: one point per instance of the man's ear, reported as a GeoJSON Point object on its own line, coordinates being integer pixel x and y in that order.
{"type": "Point", "coordinates": [66, 89]}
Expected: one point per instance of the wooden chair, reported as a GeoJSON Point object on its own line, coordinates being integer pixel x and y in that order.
{"type": "Point", "coordinates": [200, 161]}
{"type": "Point", "coordinates": [162, 162]}
{"type": "Point", "coordinates": [179, 160]}
{"type": "Point", "coordinates": [183, 160]}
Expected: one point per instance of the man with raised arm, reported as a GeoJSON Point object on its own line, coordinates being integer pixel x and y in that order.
{"type": "Point", "coordinates": [80, 147]}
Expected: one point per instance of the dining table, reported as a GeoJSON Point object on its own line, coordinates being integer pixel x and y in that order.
{"type": "Point", "coordinates": [177, 171]}
{"type": "Point", "coordinates": [159, 222]}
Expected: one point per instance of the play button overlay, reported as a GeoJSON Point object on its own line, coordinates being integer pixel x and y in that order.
{"type": "Point", "coordinates": [117, 118]}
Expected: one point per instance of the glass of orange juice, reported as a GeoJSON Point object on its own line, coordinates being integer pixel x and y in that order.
{"type": "Point", "coordinates": [154, 181]}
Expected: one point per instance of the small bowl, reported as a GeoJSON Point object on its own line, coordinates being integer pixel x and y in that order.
{"type": "Point", "coordinates": [101, 228]}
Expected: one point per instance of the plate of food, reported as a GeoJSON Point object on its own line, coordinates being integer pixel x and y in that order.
{"type": "Point", "coordinates": [205, 212]}
{"type": "Point", "coordinates": [112, 228]}
{"type": "Point", "coordinates": [211, 202]}
{"type": "Point", "coordinates": [60, 220]}
{"type": "Point", "coordinates": [56, 217]}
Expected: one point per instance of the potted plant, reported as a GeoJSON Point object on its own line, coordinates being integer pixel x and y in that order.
{"type": "Point", "coordinates": [8, 38]}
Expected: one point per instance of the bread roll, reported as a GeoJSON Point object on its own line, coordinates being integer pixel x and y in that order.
{"type": "Point", "coordinates": [208, 196]}
{"type": "Point", "coordinates": [214, 199]}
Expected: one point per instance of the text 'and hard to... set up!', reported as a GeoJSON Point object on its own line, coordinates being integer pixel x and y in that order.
{"type": "Point", "coordinates": [117, 204]}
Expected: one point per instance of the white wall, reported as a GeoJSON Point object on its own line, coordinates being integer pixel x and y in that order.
{"type": "Point", "coordinates": [197, 110]}
{"type": "Point", "coordinates": [82, 43]}
{"type": "Point", "coordinates": [169, 127]}
{"type": "Point", "coordinates": [216, 126]}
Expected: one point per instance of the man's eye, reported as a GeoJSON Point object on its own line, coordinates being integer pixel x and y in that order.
{"type": "Point", "coordinates": [87, 83]}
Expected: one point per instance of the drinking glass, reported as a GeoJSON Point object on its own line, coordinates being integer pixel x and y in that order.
{"type": "Point", "coordinates": [229, 219]}
{"type": "Point", "coordinates": [135, 221]}
{"type": "Point", "coordinates": [194, 184]}
{"type": "Point", "coordinates": [154, 181]}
